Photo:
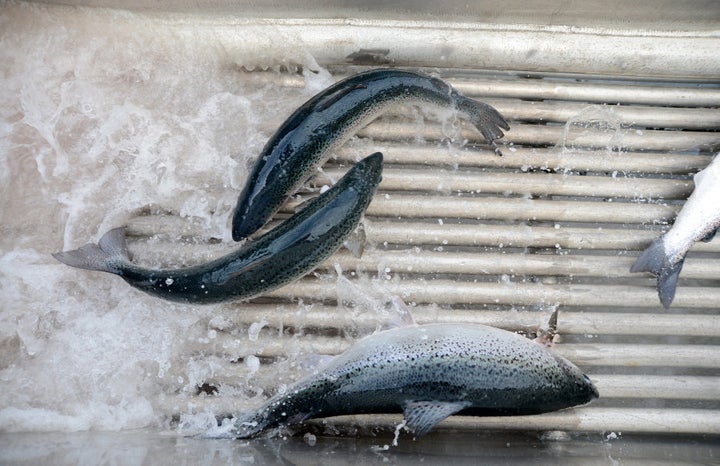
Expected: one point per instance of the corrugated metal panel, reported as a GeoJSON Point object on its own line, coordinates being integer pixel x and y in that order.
{"type": "Point", "coordinates": [592, 172]}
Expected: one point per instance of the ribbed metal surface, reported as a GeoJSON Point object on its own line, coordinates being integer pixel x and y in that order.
{"type": "Point", "coordinates": [592, 172]}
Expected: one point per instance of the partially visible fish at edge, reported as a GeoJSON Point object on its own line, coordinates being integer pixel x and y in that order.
{"type": "Point", "coordinates": [427, 372]}
{"type": "Point", "coordinates": [698, 220]}
{"type": "Point", "coordinates": [285, 253]}
{"type": "Point", "coordinates": [310, 135]}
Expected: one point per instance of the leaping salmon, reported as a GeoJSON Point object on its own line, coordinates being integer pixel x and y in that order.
{"type": "Point", "coordinates": [310, 135]}
{"type": "Point", "coordinates": [284, 254]}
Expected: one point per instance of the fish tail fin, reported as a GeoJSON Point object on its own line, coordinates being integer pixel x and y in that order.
{"type": "Point", "coordinates": [655, 260]}
{"type": "Point", "coordinates": [485, 118]}
{"type": "Point", "coordinates": [104, 256]}
{"type": "Point", "coordinates": [667, 282]}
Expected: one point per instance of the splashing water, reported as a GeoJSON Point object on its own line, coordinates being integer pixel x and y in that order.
{"type": "Point", "coordinates": [595, 130]}
{"type": "Point", "coordinates": [105, 114]}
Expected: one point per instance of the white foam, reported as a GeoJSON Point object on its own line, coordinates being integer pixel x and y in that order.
{"type": "Point", "coordinates": [103, 114]}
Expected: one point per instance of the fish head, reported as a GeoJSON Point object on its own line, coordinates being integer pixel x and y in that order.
{"type": "Point", "coordinates": [368, 170]}
{"type": "Point", "coordinates": [254, 209]}
{"type": "Point", "coordinates": [575, 387]}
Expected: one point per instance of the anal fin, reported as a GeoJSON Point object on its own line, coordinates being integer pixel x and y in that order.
{"type": "Point", "coordinates": [422, 416]}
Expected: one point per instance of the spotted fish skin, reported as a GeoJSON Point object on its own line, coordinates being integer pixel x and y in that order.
{"type": "Point", "coordinates": [282, 255]}
{"type": "Point", "coordinates": [310, 135]}
{"type": "Point", "coordinates": [429, 372]}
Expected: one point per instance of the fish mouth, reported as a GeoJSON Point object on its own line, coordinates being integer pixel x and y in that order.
{"type": "Point", "coordinates": [594, 393]}
{"type": "Point", "coordinates": [372, 162]}
{"type": "Point", "coordinates": [584, 387]}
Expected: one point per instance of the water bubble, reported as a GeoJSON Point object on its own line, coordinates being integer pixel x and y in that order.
{"type": "Point", "coordinates": [255, 328]}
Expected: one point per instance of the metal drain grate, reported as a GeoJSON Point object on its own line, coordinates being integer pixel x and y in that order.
{"type": "Point", "coordinates": [593, 171]}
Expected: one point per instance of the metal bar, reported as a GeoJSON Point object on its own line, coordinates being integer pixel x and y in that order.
{"type": "Point", "coordinates": [703, 356]}
{"type": "Point", "coordinates": [619, 323]}
{"type": "Point", "coordinates": [678, 421]}
{"type": "Point", "coordinates": [525, 158]}
{"type": "Point", "coordinates": [408, 207]}
{"type": "Point", "coordinates": [430, 232]}
{"type": "Point", "coordinates": [469, 263]}
{"type": "Point", "coordinates": [492, 47]}
{"type": "Point", "coordinates": [569, 322]}
{"type": "Point", "coordinates": [539, 184]}
{"type": "Point", "coordinates": [625, 115]}
{"type": "Point", "coordinates": [434, 233]}
{"type": "Point", "coordinates": [550, 135]}
{"type": "Point", "coordinates": [600, 92]}
{"type": "Point", "coordinates": [658, 387]}
{"type": "Point", "coordinates": [511, 293]}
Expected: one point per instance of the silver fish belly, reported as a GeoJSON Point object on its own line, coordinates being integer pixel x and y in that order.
{"type": "Point", "coordinates": [308, 137]}
{"type": "Point", "coordinates": [428, 373]}
{"type": "Point", "coordinates": [698, 220]}
{"type": "Point", "coordinates": [282, 255]}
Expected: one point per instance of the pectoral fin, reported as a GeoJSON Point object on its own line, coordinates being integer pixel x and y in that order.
{"type": "Point", "coordinates": [422, 416]}
{"type": "Point", "coordinates": [356, 242]}
{"type": "Point", "coordinates": [401, 310]}
{"type": "Point", "coordinates": [232, 270]}
{"type": "Point", "coordinates": [709, 237]}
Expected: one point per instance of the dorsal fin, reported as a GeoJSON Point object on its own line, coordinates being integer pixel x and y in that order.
{"type": "Point", "coordinates": [545, 336]}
